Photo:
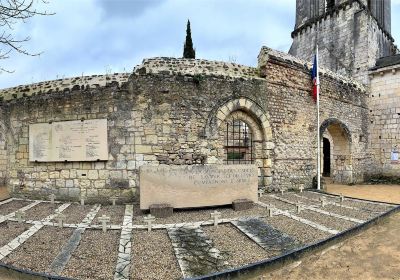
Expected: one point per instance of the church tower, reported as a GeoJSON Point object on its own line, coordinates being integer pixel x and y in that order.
{"type": "Point", "coordinates": [351, 34]}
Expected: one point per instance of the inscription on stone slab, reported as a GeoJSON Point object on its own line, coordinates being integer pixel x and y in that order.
{"type": "Point", "coordinates": [197, 186]}
{"type": "Point", "coordinates": [68, 141]}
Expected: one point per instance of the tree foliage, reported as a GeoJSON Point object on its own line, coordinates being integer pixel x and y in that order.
{"type": "Point", "coordinates": [188, 50]}
{"type": "Point", "coordinates": [13, 12]}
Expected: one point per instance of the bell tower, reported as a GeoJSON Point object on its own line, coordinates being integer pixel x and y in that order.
{"type": "Point", "coordinates": [351, 34]}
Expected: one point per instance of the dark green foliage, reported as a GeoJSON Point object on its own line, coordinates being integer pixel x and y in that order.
{"type": "Point", "coordinates": [188, 50]}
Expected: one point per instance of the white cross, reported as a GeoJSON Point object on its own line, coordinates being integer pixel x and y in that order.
{"type": "Point", "coordinates": [282, 191]}
{"type": "Point", "coordinates": [301, 188]}
{"type": "Point", "coordinates": [82, 201]}
{"type": "Point", "coordinates": [104, 220]}
{"type": "Point", "coordinates": [215, 215]}
{"type": "Point", "coordinates": [61, 218]}
{"type": "Point", "coordinates": [323, 202]}
{"type": "Point", "coordinates": [149, 219]}
{"type": "Point", "coordinates": [260, 192]}
{"type": "Point", "coordinates": [113, 199]}
{"type": "Point", "coordinates": [52, 197]}
{"type": "Point", "coordinates": [20, 215]}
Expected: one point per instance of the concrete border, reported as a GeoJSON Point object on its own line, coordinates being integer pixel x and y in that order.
{"type": "Point", "coordinates": [12, 272]}
{"type": "Point", "coordinates": [279, 261]}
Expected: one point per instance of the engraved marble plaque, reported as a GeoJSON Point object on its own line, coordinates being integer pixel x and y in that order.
{"type": "Point", "coordinates": [68, 141]}
{"type": "Point", "coordinates": [197, 185]}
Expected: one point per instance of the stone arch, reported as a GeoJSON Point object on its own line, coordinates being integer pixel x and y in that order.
{"type": "Point", "coordinates": [341, 149]}
{"type": "Point", "coordinates": [256, 118]}
{"type": "Point", "coordinates": [240, 104]}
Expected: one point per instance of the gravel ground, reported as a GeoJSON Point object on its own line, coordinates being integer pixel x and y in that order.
{"type": "Point", "coordinates": [10, 230]}
{"type": "Point", "coordinates": [278, 204]}
{"type": "Point", "coordinates": [39, 251]}
{"type": "Point", "coordinates": [325, 220]}
{"type": "Point", "coordinates": [41, 211]}
{"type": "Point", "coordinates": [301, 232]}
{"type": "Point", "coordinates": [181, 216]}
{"type": "Point", "coordinates": [75, 213]}
{"type": "Point", "coordinates": [96, 256]}
{"type": "Point", "coordinates": [303, 200]}
{"type": "Point", "coordinates": [350, 213]}
{"type": "Point", "coordinates": [12, 206]}
{"type": "Point", "coordinates": [153, 256]}
{"type": "Point", "coordinates": [116, 214]}
{"type": "Point", "coordinates": [240, 249]}
{"type": "Point", "coordinates": [350, 202]}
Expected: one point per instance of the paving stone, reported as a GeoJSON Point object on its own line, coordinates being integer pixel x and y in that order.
{"type": "Point", "coordinates": [266, 236]}
{"type": "Point", "coordinates": [195, 252]}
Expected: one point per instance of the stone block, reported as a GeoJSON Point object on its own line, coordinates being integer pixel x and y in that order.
{"type": "Point", "coordinates": [242, 204]}
{"type": "Point", "coordinates": [161, 210]}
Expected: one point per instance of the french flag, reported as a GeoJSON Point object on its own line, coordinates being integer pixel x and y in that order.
{"type": "Point", "coordinates": [315, 77]}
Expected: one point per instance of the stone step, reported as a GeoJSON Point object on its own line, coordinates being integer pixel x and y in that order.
{"type": "Point", "coordinates": [195, 252]}
{"type": "Point", "coordinates": [266, 236]}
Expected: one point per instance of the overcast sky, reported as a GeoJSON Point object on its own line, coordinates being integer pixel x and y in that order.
{"type": "Point", "coordinates": [100, 36]}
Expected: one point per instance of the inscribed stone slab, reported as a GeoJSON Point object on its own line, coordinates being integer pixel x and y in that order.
{"type": "Point", "coordinates": [197, 185]}
{"type": "Point", "coordinates": [68, 141]}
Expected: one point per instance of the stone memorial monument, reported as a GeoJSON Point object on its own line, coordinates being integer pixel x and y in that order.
{"type": "Point", "coordinates": [197, 186]}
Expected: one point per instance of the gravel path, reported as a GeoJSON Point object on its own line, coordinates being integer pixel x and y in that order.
{"type": "Point", "coordinates": [10, 230]}
{"type": "Point", "coordinates": [240, 249]}
{"type": "Point", "coordinates": [277, 203]}
{"type": "Point", "coordinates": [41, 211]}
{"type": "Point", "coordinates": [153, 256]}
{"type": "Point", "coordinates": [75, 213]}
{"type": "Point", "coordinates": [38, 252]}
{"type": "Point", "coordinates": [350, 212]}
{"type": "Point", "coordinates": [12, 206]}
{"type": "Point", "coordinates": [116, 214]}
{"type": "Point", "coordinates": [295, 198]}
{"type": "Point", "coordinates": [301, 232]}
{"type": "Point", "coordinates": [96, 256]}
{"type": "Point", "coordinates": [325, 220]}
{"type": "Point", "coordinates": [349, 202]}
{"type": "Point", "coordinates": [181, 216]}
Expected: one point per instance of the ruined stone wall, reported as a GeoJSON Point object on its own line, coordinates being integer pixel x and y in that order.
{"type": "Point", "coordinates": [3, 146]}
{"type": "Point", "coordinates": [384, 104]}
{"type": "Point", "coordinates": [350, 40]}
{"type": "Point", "coordinates": [177, 117]}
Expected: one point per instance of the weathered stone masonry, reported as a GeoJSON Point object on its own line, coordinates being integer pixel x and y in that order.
{"type": "Point", "coordinates": [173, 111]}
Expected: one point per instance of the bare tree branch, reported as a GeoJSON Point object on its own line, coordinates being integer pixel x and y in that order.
{"type": "Point", "coordinates": [13, 12]}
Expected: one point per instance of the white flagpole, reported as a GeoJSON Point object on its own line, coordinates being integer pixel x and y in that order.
{"type": "Point", "coordinates": [318, 132]}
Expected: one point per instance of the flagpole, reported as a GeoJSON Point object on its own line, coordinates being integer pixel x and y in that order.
{"type": "Point", "coordinates": [318, 133]}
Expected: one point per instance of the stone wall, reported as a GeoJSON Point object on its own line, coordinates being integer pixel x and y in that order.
{"type": "Point", "coordinates": [3, 146]}
{"type": "Point", "coordinates": [166, 113]}
{"type": "Point", "coordinates": [349, 37]}
{"type": "Point", "coordinates": [384, 104]}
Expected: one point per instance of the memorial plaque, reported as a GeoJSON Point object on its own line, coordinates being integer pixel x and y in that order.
{"type": "Point", "coordinates": [197, 185]}
{"type": "Point", "coordinates": [68, 141]}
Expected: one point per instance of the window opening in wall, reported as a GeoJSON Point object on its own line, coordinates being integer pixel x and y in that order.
{"type": "Point", "coordinates": [239, 143]}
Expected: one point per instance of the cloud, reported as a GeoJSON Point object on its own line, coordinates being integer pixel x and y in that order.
{"type": "Point", "coordinates": [94, 35]}
{"type": "Point", "coordinates": [126, 8]}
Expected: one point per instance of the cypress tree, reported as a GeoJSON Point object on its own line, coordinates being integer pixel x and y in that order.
{"type": "Point", "coordinates": [188, 50]}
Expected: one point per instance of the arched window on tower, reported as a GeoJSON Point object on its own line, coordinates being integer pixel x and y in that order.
{"type": "Point", "coordinates": [329, 5]}
{"type": "Point", "coordinates": [369, 5]}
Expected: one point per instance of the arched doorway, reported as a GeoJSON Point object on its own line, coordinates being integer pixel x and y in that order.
{"type": "Point", "coordinates": [337, 159]}
{"type": "Point", "coordinates": [326, 152]}
{"type": "Point", "coordinates": [243, 135]}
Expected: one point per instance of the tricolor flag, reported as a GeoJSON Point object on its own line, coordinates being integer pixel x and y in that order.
{"type": "Point", "coordinates": [315, 77]}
